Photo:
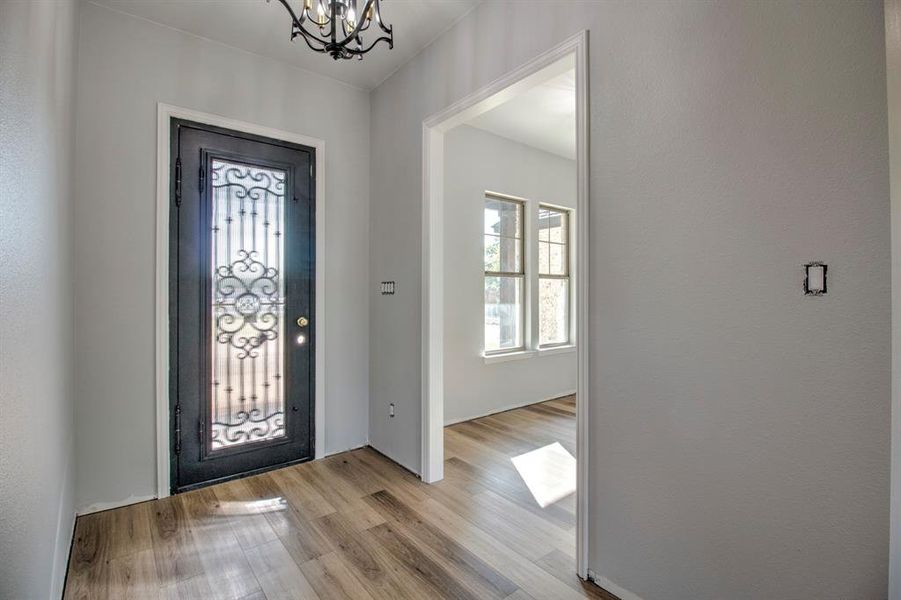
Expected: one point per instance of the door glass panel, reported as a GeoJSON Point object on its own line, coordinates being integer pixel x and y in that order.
{"type": "Point", "coordinates": [248, 304]}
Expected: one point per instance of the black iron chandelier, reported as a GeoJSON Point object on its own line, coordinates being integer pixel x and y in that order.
{"type": "Point", "coordinates": [335, 26]}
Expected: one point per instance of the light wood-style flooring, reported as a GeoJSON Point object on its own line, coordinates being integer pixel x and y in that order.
{"type": "Point", "coordinates": [353, 525]}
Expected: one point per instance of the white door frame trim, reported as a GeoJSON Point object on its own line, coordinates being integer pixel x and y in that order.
{"type": "Point", "coordinates": [165, 113]}
{"type": "Point", "coordinates": [433, 128]}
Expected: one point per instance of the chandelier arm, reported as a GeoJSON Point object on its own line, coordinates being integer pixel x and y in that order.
{"type": "Point", "coordinates": [359, 26]}
{"type": "Point", "coordinates": [333, 24]}
{"type": "Point", "coordinates": [308, 37]}
{"type": "Point", "coordinates": [327, 17]}
{"type": "Point", "coordinates": [329, 42]}
{"type": "Point", "coordinates": [296, 22]}
{"type": "Point", "coordinates": [362, 51]}
{"type": "Point", "coordinates": [390, 29]}
{"type": "Point", "coordinates": [311, 39]}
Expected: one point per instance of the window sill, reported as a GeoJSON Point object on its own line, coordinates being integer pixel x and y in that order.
{"type": "Point", "coordinates": [502, 357]}
{"type": "Point", "coordinates": [508, 356]}
{"type": "Point", "coordinates": [557, 350]}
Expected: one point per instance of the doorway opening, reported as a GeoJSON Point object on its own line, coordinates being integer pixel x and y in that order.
{"type": "Point", "coordinates": [505, 293]}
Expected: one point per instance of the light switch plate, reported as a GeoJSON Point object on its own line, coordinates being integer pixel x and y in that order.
{"type": "Point", "coordinates": [815, 278]}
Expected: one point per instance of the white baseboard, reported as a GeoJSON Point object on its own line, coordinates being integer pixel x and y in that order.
{"type": "Point", "coordinates": [396, 460]}
{"type": "Point", "coordinates": [621, 592]}
{"type": "Point", "coordinates": [65, 529]}
{"type": "Point", "coordinates": [505, 408]}
{"type": "Point", "coordinates": [100, 506]}
{"type": "Point", "coordinates": [351, 449]}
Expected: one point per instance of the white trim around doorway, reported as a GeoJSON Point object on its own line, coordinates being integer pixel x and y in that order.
{"type": "Point", "coordinates": [165, 114]}
{"type": "Point", "coordinates": [433, 129]}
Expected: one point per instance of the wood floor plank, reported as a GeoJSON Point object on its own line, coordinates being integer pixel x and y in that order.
{"type": "Point", "coordinates": [332, 580]}
{"type": "Point", "coordinates": [351, 526]}
{"type": "Point", "coordinates": [418, 566]}
{"type": "Point", "coordinates": [89, 559]}
{"type": "Point", "coordinates": [134, 577]}
{"type": "Point", "coordinates": [519, 595]}
{"type": "Point", "coordinates": [533, 526]}
{"type": "Point", "coordinates": [129, 529]}
{"type": "Point", "coordinates": [483, 513]}
{"type": "Point", "coordinates": [513, 488]}
{"type": "Point", "coordinates": [342, 493]}
{"type": "Point", "coordinates": [380, 574]}
{"type": "Point", "coordinates": [505, 559]}
{"type": "Point", "coordinates": [549, 409]}
{"type": "Point", "coordinates": [363, 480]}
{"type": "Point", "coordinates": [401, 483]}
{"type": "Point", "coordinates": [475, 573]}
{"type": "Point", "coordinates": [224, 564]}
{"type": "Point", "coordinates": [299, 536]}
{"type": "Point", "coordinates": [296, 488]}
{"type": "Point", "coordinates": [174, 551]}
{"type": "Point", "coordinates": [292, 524]}
{"type": "Point", "coordinates": [476, 453]}
{"type": "Point", "coordinates": [278, 575]}
{"type": "Point", "coordinates": [101, 538]}
{"type": "Point", "coordinates": [188, 589]}
{"type": "Point", "coordinates": [245, 513]}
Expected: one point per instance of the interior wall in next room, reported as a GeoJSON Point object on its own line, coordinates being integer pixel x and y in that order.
{"type": "Point", "coordinates": [475, 162]}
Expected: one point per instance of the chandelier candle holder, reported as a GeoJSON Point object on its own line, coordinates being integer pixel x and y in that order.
{"type": "Point", "coordinates": [335, 27]}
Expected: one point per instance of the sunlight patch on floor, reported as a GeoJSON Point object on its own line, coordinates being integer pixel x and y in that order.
{"type": "Point", "coordinates": [251, 507]}
{"type": "Point", "coordinates": [549, 473]}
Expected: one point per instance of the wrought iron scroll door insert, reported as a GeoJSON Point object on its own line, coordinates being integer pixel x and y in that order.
{"type": "Point", "coordinates": [242, 302]}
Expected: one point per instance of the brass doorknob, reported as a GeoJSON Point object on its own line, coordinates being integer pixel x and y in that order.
{"type": "Point", "coordinates": [302, 322]}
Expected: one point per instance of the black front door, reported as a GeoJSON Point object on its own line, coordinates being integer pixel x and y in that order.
{"type": "Point", "coordinates": [242, 296]}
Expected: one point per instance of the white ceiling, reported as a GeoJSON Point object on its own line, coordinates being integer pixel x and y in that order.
{"type": "Point", "coordinates": [265, 28]}
{"type": "Point", "coordinates": [543, 116]}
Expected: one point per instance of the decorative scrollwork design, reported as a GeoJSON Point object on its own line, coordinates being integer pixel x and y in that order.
{"type": "Point", "coordinates": [226, 175]}
{"type": "Point", "coordinates": [247, 304]}
{"type": "Point", "coordinates": [248, 426]}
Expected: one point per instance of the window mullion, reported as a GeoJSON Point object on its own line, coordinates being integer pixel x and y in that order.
{"type": "Point", "coordinates": [532, 301]}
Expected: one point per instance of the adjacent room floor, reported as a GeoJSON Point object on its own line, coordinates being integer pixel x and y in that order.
{"type": "Point", "coordinates": [355, 525]}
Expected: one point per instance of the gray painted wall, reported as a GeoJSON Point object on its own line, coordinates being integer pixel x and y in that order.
{"type": "Point", "coordinates": [893, 72]}
{"type": "Point", "coordinates": [37, 514]}
{"type": "Point", "coordinates": [126, 66]}
{"type": "Point", "coordinates": [477, 161]}
{"type": "Point", "coordinates": [740, 431]}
